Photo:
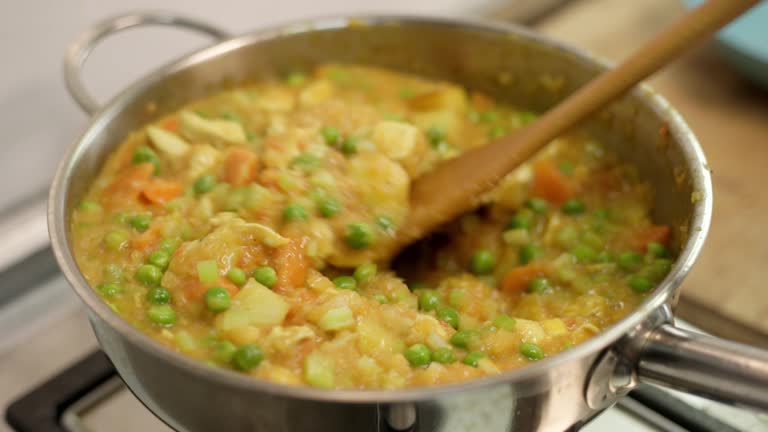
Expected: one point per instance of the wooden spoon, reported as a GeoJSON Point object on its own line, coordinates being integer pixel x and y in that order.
{"type": "Point", "coordinates": [454, 186]}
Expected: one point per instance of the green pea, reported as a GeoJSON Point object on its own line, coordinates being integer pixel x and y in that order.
{"type": "Point", "coordinates": [167, 246]}
{"type": "Point", "coordinates": [417, 285]}
{"type": "Point", "coordinates": [266, 276]}
{"type": "Point", "coordinates": [504, 322]}
{"type": "Point", "coordinates": [640, 283]}
{"type": "Point", "coordinates": [116, 240]}
{"type": "Point", "coordinates": [574, 207]}
{"type": "Point", "coordinates": [109, 289]}
{"type": "Point", "coordinates": [539, 285]}
{"type": "Point", "coordinates": [489, 116]}
{"type": "Point", "coordinates": [657, 249]}
{"type": "Point", "coordinates": [601, 214]}
{"type": "Point", "coordinates": [531, 350]}
{"type": "Point", "coordinates": [306, 161]}
{"type": "Point", "coordinates": [435, 135]}
{"type": "Point", "coordinates": [330, 134]}
{"type": "Point", "coordinates": [204, 184]}
{"type": "Point", "coordinates": [90, 206]}
{"type": "Point", "coordinates": [473, 358]}
{"type": "Point", "coordinates": [329, 207]}
{"type": "Point", "coordinates": [149, 275]}
{"type": "Point", "coordinates": [463, 338]}
{"type": "Point", "coordinates": [418, 355]}
{"type": "Point", "coordinates": [247, 357]}
{"type": "Point", "coordinates": [365, 272]}
{"type": "Point", "coordinates": [406, 93]}
{"type": "Point", "coordinates": [144, 154]}
{"type": "Point", "coordinates": [473, 116]}
{"type": "Point", "coordinates": [160, 259]}
{"type": "Point", "coordinates": [349, 146]}
{"type": "Point", "coordinates": [630, 261]}
{"type": "Point", "coordinates": [444, 356]}
{"type": "Point", "coordinates": [229, 115]}
{"type": "Point", "coordinates": [237, 276]}
{"type": "Point", "coordinates": [528, 253]}
{"type": "Point", "coordinates": [538, 205]}
{"type": "Point", "coordinates": [482, 262]}
{"type": "Point", "coordinates": [527, 117]}
{"type": "Point", "coordinates": [223, 351]}
{"type": "Point", "coordinates": [519, 221]}
{"type": "Point", "coordinates": [497, 131]}
{"type": "Point", "coordinates": [217, 299]}
{"type": "Point", "coordinates": [161, 314]}
{"type": "Point", "coordinates": [345, 282]}
{"type": "Point", "coordinates": [584, 253]}
{"type": "Point", "coordinates": [385, 222]}
{"type": "Point", "coordinates": [295, 212]}
{"type": "Point", "coordinates": [158, 296]}
{"type": "Point", "coordinates": [140, 222]}
{"type": "Point", "coordinates": [450, 316]}
{"type": "Point", "coordinates": [658, 269]}
{"type": "Point", "coordinates": [565, 167]}
{"type": "Point", "coordinates": [295, 79]}
{"type": "Point", "coordinates": [381, 298]}
{"type": "Point", "coordinates": [359, 235]}
{"type": "Point", "coordinates": [428, 300]}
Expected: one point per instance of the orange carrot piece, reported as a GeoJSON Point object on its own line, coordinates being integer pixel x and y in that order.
{"type": "Point", "coordinates": [292, 265]}
{"type": "Point", "coordinates": [171, 125]}
{"type": "Point", "coordinates": [148, 240]}
{"type": "Point", "coordinates": [128, 183]}
{"type": "Point", "coordinates": [195, 291]}
{"type": "Point", "coordinates": [549, 183]}
{"type": "Point", "coordinates": [517, 279]}
{"type": "Point", "coordinates": [160, 191]}
{"type": "Point", "coordinates": [240, 166]}
{"type": "Point", "coordinates": [654, 233]}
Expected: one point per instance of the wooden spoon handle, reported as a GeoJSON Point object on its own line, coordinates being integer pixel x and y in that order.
{"type": "Point", "coordinates": [453, 187]}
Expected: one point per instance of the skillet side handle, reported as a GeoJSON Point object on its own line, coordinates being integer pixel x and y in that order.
{"type": "Point", "coordinates": [80, 50]}
{"type": "Point", "coordinates": [714, 368]}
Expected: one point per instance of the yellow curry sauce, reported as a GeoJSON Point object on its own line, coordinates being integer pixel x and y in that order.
{"type": "Point", "coordinates": [241, 230]}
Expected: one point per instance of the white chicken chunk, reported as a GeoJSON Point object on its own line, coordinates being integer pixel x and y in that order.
{"type": "Point", "coordinates": [198, 128]}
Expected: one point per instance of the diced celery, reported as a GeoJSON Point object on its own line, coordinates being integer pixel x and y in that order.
{"type": "Point", "coordinates": [337, 319]}
{"type": "Point", "coordinates": [318, 371]}
{"type": "Point", "coordinates": [185, 341]}
{"type": "Point", "coordinates": [207, 271]}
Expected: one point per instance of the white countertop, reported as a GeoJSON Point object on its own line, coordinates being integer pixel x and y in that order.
{"type": "Point", "coordinates": [38, 118]}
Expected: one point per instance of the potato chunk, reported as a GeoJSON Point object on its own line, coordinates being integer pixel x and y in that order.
{"type": "Point", "coordinates": [396, 140]}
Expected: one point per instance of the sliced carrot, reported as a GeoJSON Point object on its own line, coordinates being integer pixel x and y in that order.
{"type": "Point", "coordinates": [517, 279]}
{"type": "Point", "coordinates": [160, 191]}
{"type": "Point", "coordinates": [148, 240]}
{"type": "Point", "coordinates": [292, 265]}
{"type": "Point", "coordinates": [195, 291]}
{"type": "Point", "coordinates": [480, 100]}
{"type": "Point", "coordinates": [549, 183]}
{"type": "Point", "coordinates": [240, 166]}
{"type": "Point", "coordinates": [172, 124]}
{"type": "Point", "coordinates": [128, 183]}
{"type": "Point", "coordinates": [654, 233]}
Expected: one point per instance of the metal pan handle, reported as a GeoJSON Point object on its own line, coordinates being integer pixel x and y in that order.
{"type": "Point", "coordinates": [706, 366]}
{"type": "Point", "coordinates": [80, 50]}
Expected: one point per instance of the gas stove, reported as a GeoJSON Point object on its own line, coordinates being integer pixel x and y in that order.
{"type": "Point", "coordinates": [52, 376]}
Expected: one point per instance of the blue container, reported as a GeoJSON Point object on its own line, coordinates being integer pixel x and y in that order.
{"type": "Point", "coordinates": [744, 43]}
